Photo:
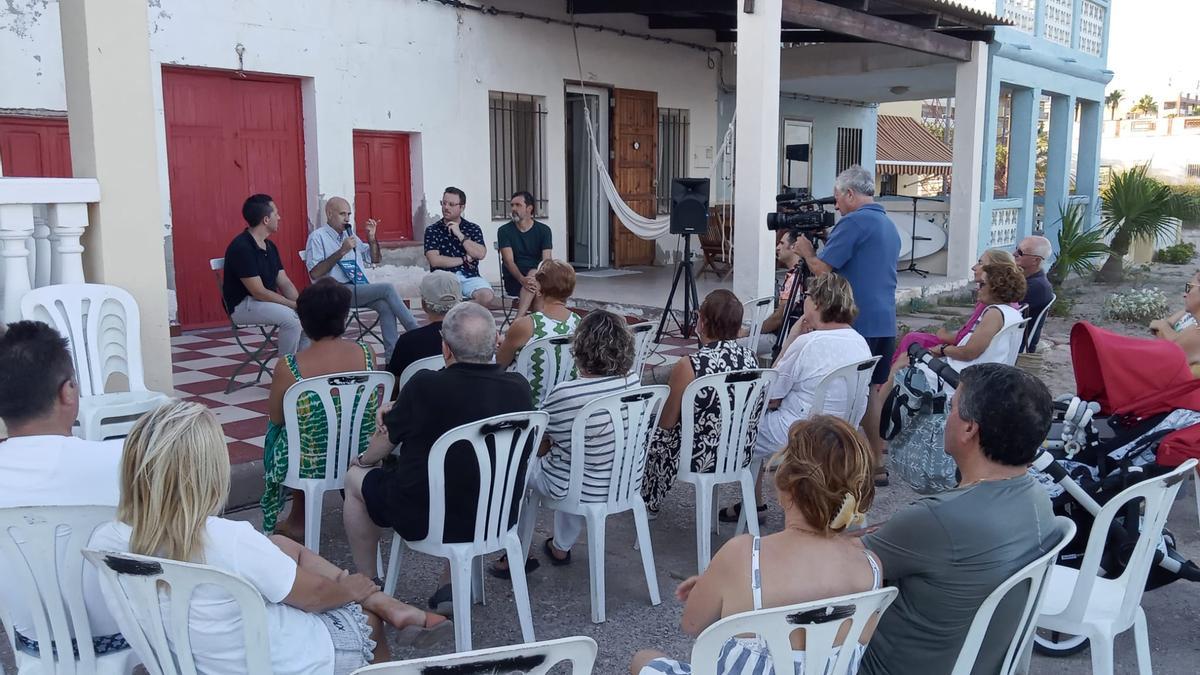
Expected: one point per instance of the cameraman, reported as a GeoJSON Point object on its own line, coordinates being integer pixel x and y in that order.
{"type": "Point", "coordinates": [785, 253]}
{"type": "Point", "coordinates": [864, 248]}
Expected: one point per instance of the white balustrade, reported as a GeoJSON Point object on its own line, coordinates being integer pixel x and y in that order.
{"type": "Point", "coordinates": [1021, 13]}
{"type": "Point", "coordinates": [1091, 28]}
{"type": "Point", "coordinates": [1059, 16]}
{"type": "Point", "coordinates": [42, 221]}
{"type": "Point", "coordinates": [1006, 214]}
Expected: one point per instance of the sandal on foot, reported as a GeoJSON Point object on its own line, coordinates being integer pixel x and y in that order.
{"type": "Point", "coordinates": [442, 601]}
{"type": "Point", "coordinates": [555, 560]}
{"type": "Point", "coordinates": [531, 564]}
{"type": "Point", "coordinates": [428, 635]}
{"type": "Point", "coordinates": [731, 514]}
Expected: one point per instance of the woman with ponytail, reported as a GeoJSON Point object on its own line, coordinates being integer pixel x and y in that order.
{"type": "Point", "coordinates": [825, 486]}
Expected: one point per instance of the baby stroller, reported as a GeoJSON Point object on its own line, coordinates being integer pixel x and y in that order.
{"type": "Point", "coordinates": [1136, 415]}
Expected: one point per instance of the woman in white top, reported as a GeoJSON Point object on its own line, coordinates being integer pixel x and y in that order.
{"type": "Point", "coordinates": [825, 485]}
{"type": "Point", "coordinates": [1000, 286]}
{"type": "Point", "coordinates": [320, 619]}
{"type": "Point", "coordinates": [820, 343]}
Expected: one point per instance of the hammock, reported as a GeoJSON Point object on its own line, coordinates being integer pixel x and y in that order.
{"type": "Point", "coordinates": [641, 226]}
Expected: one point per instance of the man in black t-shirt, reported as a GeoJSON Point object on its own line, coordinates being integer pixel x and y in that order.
{"type": "Point", "coordinates": [256, 290]}
{"type": "Point", "coordinates": [524, 243]}
{"type": "Point", "coordinates": [470, 388]}
{"type": "Point", "coordinates": [440, 292]}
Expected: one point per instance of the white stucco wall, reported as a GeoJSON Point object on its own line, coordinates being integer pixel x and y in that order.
{"type": "Point", "coordinates": [391, 65]}
{"type": "Point", "coordinates": [1169, 156]}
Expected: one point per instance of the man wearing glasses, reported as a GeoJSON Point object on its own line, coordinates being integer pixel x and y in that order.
{"type": "Point", "coordinates": [456, 245]}
{"type": "Point", "coordinates": [1030, 256]}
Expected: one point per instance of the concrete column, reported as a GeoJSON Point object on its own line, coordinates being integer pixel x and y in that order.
{"type": "Point", "coordinates": [1087, 172]}
{"type": "Point", "coordinates": [756, 166]}
{"type": "Point", "coordinates": [110, 110]}
{"type": "Point", "coordinates": [1039, 18]}
{"type": "Point", "coordinates": [1076, 22]}
{"type": "Point", "coordinates": [1022, 154]}
{"type": "Point", "coordinates": [1058, 161]}
{"type": "Point", "coordinates": [970, 109]}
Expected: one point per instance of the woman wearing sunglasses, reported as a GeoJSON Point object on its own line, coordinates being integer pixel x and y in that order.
{"type": "Point", "coordinates": [1182, 327]}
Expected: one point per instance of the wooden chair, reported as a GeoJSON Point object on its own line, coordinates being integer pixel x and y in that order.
{"type": "Point", "coordinates": [717, 246]}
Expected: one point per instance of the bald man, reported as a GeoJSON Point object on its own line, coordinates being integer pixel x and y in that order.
{"type": "Point", "coordinates": [335, 250]}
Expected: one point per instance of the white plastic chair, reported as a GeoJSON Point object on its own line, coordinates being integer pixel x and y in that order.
{"type": "Point", "coordinates": [1028, 343]}
{"type": "Point", "coordinates": [259, 354]}
{"type": "Point", "coordinates": [47, 566]}
{"type": "Point", "coordinates": [1030, 580]}
{"type": "Point", "coordinates": [857, 377]}
{"type": "Point", "coordinates": [356, 314]}
{"type": "Point", "coordinates": [1013, 332]}
{"type": "Point", "coordinates": [133, 585]}
{"type": "Point", "coordinates": [741, 397]}
{"type": "Point", "coordinates": [1080, 602]}
{"type": "Point", "coordinates": [634, 416]}
{"type": "Point", "coordinates": [436, 362]}
{"type": "Point", "coordinates": [103, 330]}
{"type": "Point", "coordinates": [643, 345]}
{"type": "Point", "coordinates": [501, 444]}
{"type": "Point", "coordinates": [558, 363]}
{"type": "Point", "coordinates": [821, 620]}
{"type": "Point", "coordinates": [343, 433]}
{"type": "Point", "coordinates": [754, 313]}
{"type": "Point", "coordinates": [536, 658]}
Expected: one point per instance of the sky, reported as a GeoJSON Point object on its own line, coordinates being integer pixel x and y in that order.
{"type": "Point", "coordinates": [1151, 46]}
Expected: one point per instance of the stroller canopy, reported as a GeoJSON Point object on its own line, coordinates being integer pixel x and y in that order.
{"type": "Point", "coordinates": [1137, 378]}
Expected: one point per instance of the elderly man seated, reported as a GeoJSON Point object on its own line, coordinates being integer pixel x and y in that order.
{"type": "Point", "coordinates": [1030, 256]}
{"type": "Point", "coordinates": [42, 464]}
{"type": "Point", "coordinates": [470, 388]}
{"type": "Point", "coordinates": [948, 551]}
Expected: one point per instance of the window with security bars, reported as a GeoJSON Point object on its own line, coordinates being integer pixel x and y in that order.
{"type": "Point", "coordinates": [849, 147]}
{"type": "Point", "coordinates": [517, 129]}
{"type": "Point", "coordinates": [1193, 170]}
{"type": "Point", "coordinates": [672, 153]}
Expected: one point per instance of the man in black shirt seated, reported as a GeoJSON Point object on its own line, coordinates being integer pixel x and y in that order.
{"type": "Point", "coordinates": [256, 290]}
{"type": "Point", "coordinates": [1030, 256]}
{"type": "Point", "coordinates": [440, 291]}
{"type": "Point", "coordinates": [470, 388]}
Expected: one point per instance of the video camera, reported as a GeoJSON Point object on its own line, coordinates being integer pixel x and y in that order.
{"type": "Point", "coordinates": [800, 213]}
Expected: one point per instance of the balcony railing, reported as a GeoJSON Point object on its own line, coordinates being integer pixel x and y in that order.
{"type": "Point", "coordinates": [1059, 21]}
{"type": "Point", "coordinates": [1006, 216]}
{"type": "Point", "coordinates": [41, 223]}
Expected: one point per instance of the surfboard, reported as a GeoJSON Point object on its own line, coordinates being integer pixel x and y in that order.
{"type": "Point", "coordinates": [931, 238]}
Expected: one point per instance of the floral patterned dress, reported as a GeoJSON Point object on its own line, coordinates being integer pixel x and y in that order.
{"type": "Point", "coordinates": [314, 432]}
{"type": "Point", "coordinates": [662, 462]}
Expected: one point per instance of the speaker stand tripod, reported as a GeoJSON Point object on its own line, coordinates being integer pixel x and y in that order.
{"type": "Point", "coordinates": [691, 301]}
{"type": "Point", "coordinates": [912, 253]}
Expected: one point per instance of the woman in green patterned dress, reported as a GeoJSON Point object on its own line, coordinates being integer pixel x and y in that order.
{"type": "Point", "coordinates": [556, 283]}
{"type": "Point", "coordinates": [322, 308]}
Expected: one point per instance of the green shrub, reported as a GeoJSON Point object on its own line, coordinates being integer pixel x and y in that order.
{"type": "Point", "coordinates": [1063, 307]}
{"type": "Point", "coordinates": [1179, 254]}
{"type": "Point", "coordinates": [1137, 305]}
{"type": "Point", "coordinates": [1193, 191]}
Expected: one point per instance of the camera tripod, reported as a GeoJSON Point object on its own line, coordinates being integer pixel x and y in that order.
{"type": "Point", "coordinates": [691, 299]}
{"type": "Point", "coordinates": [800, 276]}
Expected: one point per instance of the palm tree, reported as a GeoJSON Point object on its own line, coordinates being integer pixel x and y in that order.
{"type": "Point", "coordinates": [1112, 100]}
{"type": "Point", "coordinates": [1136, 205]}
{"type": "Point", "coordinates": [1079, 248]}
{"type": "Point", "coordinates": [1145, 106]}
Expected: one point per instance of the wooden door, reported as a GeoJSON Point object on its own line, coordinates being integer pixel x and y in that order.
{"type": "Point", "coordinates": [634, 145]}
{"type": "Point", "coordinates": [228, 137]}
{"type": "Point", "coordinates": [383, 183]}
{"type": "Point", "coordinates": [35, 147]}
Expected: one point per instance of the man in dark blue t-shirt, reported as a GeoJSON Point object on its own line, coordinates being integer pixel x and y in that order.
{"type": "Point", "coordinates": [864, 248]}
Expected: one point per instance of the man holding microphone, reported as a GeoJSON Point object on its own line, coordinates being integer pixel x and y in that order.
{"type": "Point", "coordinates": [864, 248]}
{"type": "Point", "coordinates": [334, 250]}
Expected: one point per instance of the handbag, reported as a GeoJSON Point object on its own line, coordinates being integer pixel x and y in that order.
{"type": "Point", "coordinates": [915, 423]}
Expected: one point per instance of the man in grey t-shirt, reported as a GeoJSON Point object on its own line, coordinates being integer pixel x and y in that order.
{"type": "Point", "coordinates": [947, 552]}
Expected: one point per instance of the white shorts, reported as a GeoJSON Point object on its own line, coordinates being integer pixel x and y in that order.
{"type": "Point", "coordinates": [472, 284]}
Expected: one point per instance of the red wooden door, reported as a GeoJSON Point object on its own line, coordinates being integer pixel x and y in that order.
{"type": "Point", "coordinates": [383, 183]}
{"type": "Point", "coordinates": [35, 147]}
{"type": "Point", "coordinates": [634, 139]}
{"type": "Point", "coordinates": [229, 137]}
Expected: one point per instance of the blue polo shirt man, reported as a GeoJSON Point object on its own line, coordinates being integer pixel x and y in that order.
{"type": "Point", "coordinates": [864, 248]}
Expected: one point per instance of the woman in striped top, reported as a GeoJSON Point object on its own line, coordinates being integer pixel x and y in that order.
{"type": "Point", "coordinates": [603, 349]}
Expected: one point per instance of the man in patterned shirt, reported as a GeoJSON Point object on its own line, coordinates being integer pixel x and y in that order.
{"type": "Point", "coordinates": [456, 245]}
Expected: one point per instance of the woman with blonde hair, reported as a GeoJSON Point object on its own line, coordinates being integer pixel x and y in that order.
{"type": "Point", "coordinates": [556, 283]}
{"type": "Point", "coordinates": [320, 619]}
{"type": "Point", "coordinates": [825, 485]}
{"type": "Point", "coordinates": [993, 256]}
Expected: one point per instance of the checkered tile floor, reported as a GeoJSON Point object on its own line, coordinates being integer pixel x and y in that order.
{"type": "Point", "coordinates": [203, 360]}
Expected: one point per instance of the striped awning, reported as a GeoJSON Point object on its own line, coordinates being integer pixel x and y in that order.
{"type": "Point", "coordinates": [905, 146]}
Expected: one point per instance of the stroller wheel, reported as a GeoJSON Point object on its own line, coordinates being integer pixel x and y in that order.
{"type": "Point", "coordinates": [1053, 643]}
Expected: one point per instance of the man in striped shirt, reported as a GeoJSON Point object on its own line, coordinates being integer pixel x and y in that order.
{"type": "Point", "coordinates": [603, 349]}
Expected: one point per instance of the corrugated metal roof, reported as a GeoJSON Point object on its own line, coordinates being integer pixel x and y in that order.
{"type": "Point", "coordinates": [957, 10]}
{"type": "Point", "coordinates": [904, 146]}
